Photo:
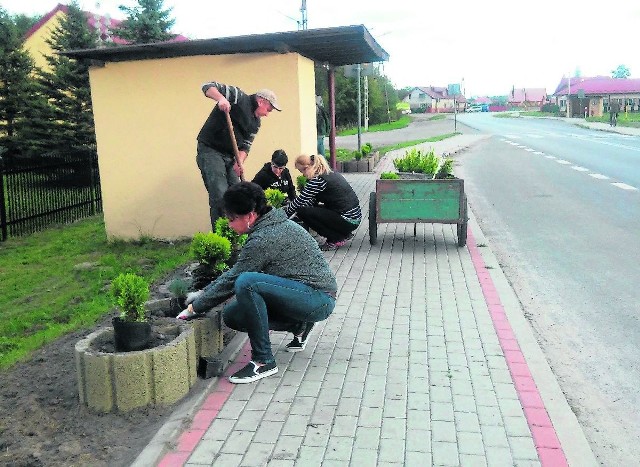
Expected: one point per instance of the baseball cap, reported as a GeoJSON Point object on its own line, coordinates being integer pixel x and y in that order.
{"type": "Point", "coordinates": [270, 96]}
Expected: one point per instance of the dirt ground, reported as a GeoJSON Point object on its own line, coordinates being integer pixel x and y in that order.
{"type": "Point", "coordinates": [43, 424]}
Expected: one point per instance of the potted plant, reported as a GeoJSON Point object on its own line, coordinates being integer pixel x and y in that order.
{"type": "Point", "coordinates": [179, 288]}
{"type": "Point", "coordinates": [416, 164]}
{"type": "Point", "coordinates": [212, 251]}
{"type": "Point", "coordinates": [275, 198]}
{"type": "Point", "coordinates": [237, 240]}
{"type": "Point", "coordinates": [131, 329]}
{"type": "Point", "coordinates": [301, 181]}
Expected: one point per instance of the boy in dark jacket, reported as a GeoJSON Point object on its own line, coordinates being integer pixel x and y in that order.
{"type": "Point", "coordinates": [275, 175]}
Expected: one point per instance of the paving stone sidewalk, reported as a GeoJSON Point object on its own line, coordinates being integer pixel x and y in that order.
{"type": "Point", "coordinates": [418, 365]}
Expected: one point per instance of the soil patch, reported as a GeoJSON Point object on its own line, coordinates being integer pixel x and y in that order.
{"type": "Point", "coordinates": [43, 424]}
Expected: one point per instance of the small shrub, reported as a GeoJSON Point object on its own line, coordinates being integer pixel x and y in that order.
{"type": "Point", "coordinates": [301, 181]}
{"type": "Point", "coordinates": [211, 250]}
{"type": "Point", "coordinates": [366, 149]}
{"type": "Point", "coordinates": [416, 161]}
{"type": "Point", "coordinates": [389, 176]}
{"type": "Point", "coordinates": [446, 169]}
{"type": "Point", "coordinates": [179, 287]}
{"type": "Point", "coordinates": [357, 155]}
{"type": "Point", "coordinates": [130, 292]}
{"type": "Point", "coordinates": [223, 229]}
{"type": "Point", "coordinates": [275, 198]}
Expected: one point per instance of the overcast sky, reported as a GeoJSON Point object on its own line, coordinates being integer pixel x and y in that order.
{"type": "Point", "coordinates": [488, 46]}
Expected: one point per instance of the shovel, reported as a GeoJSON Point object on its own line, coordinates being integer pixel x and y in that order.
{"type": "Point", "coordinates": [234, 142]}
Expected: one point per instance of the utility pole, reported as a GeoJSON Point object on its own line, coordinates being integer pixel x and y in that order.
{"type": "Point", "coordinates": [359, 108]}
{"type": "Point", "coordinates": [302, 24]}
{"type": "Point", "coordinates": [366, 103]}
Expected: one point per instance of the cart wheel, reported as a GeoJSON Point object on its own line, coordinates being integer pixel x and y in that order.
{"type": "Point", "coordinates": [462, 228]}
{"type": "Point", "coordinates": [373, 224]}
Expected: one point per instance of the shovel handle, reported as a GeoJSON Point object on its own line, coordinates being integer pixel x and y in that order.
{"type": "Point", "coordinates": [236, 152]}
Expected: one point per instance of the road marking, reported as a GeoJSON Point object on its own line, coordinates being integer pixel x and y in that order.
{"type": "Point", "coordinates": [562, 161]}
{"type": "Point", "coordinates": [529, 150]}
{"type": "Point", "coordinates": [539, 153]}
{"type": "Point", "coordinates": [580, 169]}
{"type": "Point", "coordinates": [599, 176]}
{"type": "Point", "coordinates": [624, 186]}
{"type": "Point", "coordinates": [550, 157]}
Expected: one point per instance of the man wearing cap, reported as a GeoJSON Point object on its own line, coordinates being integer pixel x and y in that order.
{"type": "Point", "coordinates": [216, 159]}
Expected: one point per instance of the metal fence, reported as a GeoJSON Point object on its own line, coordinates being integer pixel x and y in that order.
{"type": "Point", "coordinates": [36, 193]}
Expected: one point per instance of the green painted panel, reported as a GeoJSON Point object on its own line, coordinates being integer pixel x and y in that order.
{"type": "Point", "coordinates": [419, 201]}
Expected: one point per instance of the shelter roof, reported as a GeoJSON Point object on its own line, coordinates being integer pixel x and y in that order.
{"type": "Point", "coordinates": [344, 45]}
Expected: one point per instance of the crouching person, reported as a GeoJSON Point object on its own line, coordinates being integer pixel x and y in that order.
{"type": "Point", "coordinates": [281, 281]}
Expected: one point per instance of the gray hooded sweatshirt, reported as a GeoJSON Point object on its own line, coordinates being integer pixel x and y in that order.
{"type": "Point", "coordinates": [275, 246]}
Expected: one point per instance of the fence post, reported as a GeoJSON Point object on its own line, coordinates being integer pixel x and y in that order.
{"type": "Point", "coordinates": [3, 208]}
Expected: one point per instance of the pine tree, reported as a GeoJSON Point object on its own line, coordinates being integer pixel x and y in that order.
{"type": "Point", "coordinates": [19, 104]}
{"type": "Point", "coordinates": [67, 88]}
{"type": "Point", "coordinates": [146, 23]}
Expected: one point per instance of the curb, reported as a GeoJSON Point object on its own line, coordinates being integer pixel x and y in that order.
{"type": "Point", "coordinates": [569, 432]}
{"type": "Point", "coordinates": [168, 434]}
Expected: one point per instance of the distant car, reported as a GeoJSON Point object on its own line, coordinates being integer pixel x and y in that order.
{"type": "Point", "coordinates": [474, 108]}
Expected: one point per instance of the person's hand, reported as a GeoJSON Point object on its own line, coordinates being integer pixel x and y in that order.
{"type": "Point", "coordinates": [191, 296]}
{"type": "Point", "coordinates": [238, 169]}
{"type": "Point", "coordinates": [224, 104]}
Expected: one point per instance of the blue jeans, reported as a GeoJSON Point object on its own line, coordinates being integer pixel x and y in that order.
{"type": "Point", "coordinates": [264, 302]}
{"type": "Point", "coordinates": [218, 175]}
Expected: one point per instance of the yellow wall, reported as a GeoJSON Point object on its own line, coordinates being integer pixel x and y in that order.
{"type": "Point", "coordinates": [35, 44]}
{"type": "Point", "coordinates": [148, 114]}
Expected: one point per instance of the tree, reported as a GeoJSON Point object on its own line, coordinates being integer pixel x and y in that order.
{"type": "Point", "coordinates": [146, 23]}
{"type": "Point", "coordinates": [24, 23]}
{"type": "Point", "coordinates": [621, 72]}
{"type": "Point", "coordinates": [66, 86]}
{"type": "Point", "coordinates": [19, 103]}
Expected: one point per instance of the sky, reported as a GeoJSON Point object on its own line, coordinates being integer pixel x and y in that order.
{"type": "Point", "coordinates": [487, 46]}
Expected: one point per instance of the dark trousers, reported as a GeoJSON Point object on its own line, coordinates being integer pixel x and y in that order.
{"type": "Point", "coordinates": [218, 175]}
{"type": "Point", "coordinates": [326, 222]}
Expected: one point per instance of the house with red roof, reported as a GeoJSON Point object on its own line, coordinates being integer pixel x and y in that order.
{"type": "Point", "coordinates": [434, 99]}
{"type": "Point", "coordinates": [593, 95]}
{"type": "Point", "coordinates": [527, 98]}
{"type": "Point", "coordinates": [35, 40]}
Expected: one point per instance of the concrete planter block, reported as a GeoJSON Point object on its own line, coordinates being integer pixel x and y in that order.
{"type": "Point", "coordinates": [124, 381]}
{"type": "Point", "coordinates": [350, 166]}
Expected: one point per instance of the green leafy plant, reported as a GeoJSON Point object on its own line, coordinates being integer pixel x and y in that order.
{"type": "Point", "coordinates": [357, 155]}
{"type": "Point", "coordinates": [446, 169]}
{"type": "Point", "coordinates": [130, 292]}
{"type": "Point", "coordinates": [366, 149]}
{"type": "Point", "coordinates": [389, 176]}
{"type": "Point", "coordinates": [301, 181]}
{"type": "Point", "coordinates": [223, 229]}
{"type": "Point", "coordinates": [417, 161]}
{"type": "Point", "coordinates": [211, 250]}
{"type": "Point", "coordinates": [275, 198]}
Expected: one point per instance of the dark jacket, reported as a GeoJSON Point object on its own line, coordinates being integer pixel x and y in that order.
{"type": "Point", "coordinates": [323, 124]}
{"type": "Point", "coordinates": [215, 131]}
{"type": "Point", "coordinates": [267, 179]}
{"type": "Point", "coordinates": [334, 192]}
{"type": "Point", "coordinates": [275, 246]}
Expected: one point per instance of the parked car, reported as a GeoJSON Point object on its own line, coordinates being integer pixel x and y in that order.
{"type": "Point", "coordinates": [474, 108]}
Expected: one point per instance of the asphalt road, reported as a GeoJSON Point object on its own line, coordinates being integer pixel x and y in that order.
{"type": "Point", "coordinates": [561, 209]}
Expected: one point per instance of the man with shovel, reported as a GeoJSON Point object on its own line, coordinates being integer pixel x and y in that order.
{"type": "Point", "coordinates": [226, 137]}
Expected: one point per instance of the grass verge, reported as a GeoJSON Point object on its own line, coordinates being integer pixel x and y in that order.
{"type": "Point", "coordinates": [403, 122]}
{"type": "Point", "coordinates": [57, 281]}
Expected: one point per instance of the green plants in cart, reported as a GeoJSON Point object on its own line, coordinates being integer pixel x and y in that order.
{"type": "Point", "coordinates": [418, 161]}
{"type": "Point", "coordinates": [132, 328]}
{"type": "Point", "coordinates": [212, 251]}
{"type": "Point", "coordinates": [389, 176]}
